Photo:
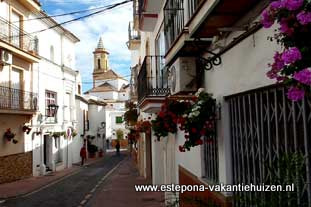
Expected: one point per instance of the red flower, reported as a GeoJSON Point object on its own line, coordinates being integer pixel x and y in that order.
{"type": "Point", "coordinates": [182, 149]}
{"type": "Point", "coordinates": [203, 132]}
{"type": "Point", "coordinates": [161, 114]}
{"type": "Point", "coordinates": [194, 98]}
{"type": "Point", "coordinates": [199, 142]}
{"type": "Point", "coordinates": [193, 130]}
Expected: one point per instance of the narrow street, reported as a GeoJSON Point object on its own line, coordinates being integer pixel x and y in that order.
{"type": "Point", "coordinates": [72, 190]}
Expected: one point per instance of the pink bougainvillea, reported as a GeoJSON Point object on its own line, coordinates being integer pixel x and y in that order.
{"type": "Point", "coordinates": [293, 64]}
{"type": "Point", "coordinates": [295, 94]}
{"type": "Point", "coordinates": [291, 55]}
{"type": "Point", "coordinates": [303, 76]}
{"type": "Point", "coordinates": [304, 17]}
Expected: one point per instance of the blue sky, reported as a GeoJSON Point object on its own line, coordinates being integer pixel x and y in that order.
{"type": "Point", "coordinates": [112, 26]}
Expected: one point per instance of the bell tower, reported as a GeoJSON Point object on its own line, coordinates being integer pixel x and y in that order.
{"type": "Point", "coordinates": [101, 60]}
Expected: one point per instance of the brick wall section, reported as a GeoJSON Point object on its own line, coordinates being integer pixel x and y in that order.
{"type": "Point", "coordinates": [199, 199]}
{"type": "Point", "coordinates": [15, 167]}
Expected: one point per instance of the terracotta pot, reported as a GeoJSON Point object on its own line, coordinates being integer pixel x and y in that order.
{"type": "Point", "coordinates": [100, 154]}
{"type": "Point", "coordinates": [92, 155]}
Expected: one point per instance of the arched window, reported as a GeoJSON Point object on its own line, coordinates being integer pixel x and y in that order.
{"type": "Point", "coordinates": [52, 53]}
{"type": "Point", "coordinates": [98, 64]}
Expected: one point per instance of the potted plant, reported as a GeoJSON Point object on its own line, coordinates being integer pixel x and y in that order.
{"type": "Point", "coordinates": [26, 129]}
{"type": "Point", "coordinates": [74, 133]}
{"type": "Point", "coordinates": [92, 149]}
{"type": "Point", "coordinates": [131, 115]}
{"type": "Point", "coordinates": [169, 116]}
{"type": "Point", "coordinates": [100, 153]}
{"type": "Point", "coordinates": [8, 135]}
{"type": "Point", "coordinates": [58, 134]}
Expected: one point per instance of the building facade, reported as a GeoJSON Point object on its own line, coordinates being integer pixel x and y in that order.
{"type": "Point", "coordinates": [112, 89]}
{"type": "Point", "coordinates": [179, 46]}
{"type": "Point", "coordinates": [38, 87]}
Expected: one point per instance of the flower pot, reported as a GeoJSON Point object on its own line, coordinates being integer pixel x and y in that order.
{"type": "Point", "coordinates": [132, 122]}
{"type": "Point", "coordinates": [100, 154]}
{"type": "Point", "coordinates": [92, 155]}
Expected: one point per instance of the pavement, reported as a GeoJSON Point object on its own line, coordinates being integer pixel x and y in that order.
{"type": "Point", "coordinates": [118, 189]}
{"type": "Point", "coordinates": [103, 182]}
{"type": "Point", "coordinates": [29, 185]}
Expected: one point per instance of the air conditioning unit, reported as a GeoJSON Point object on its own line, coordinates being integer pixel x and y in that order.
{"type": "Point", "coordinates": [6, 57]}
{"type": "Point", "coordinates": [182, 75]}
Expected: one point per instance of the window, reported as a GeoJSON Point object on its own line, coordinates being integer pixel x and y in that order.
{"type": "Point", "coordinates": [52, 53]}
{"type": "Point", "coordinates": [16, 29]}
{"type": "Point", "coordinates": [98, 64]}
{"type": "Point", "coordinates": [50, 99]}
{"type": "Point", "coordinates": [160, 64]}
{"type": "Point", "coordinates": [79, 89]}
{"type": "Point", "coordinates": [119, 120]}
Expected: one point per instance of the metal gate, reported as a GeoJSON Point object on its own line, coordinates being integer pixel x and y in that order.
{"type": "Point", "coordinates": [271, 138]}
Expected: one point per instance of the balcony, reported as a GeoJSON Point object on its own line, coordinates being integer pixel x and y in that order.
{"type": "Point", "coordinates": [152, 84]}
{"type": "Point", "coordinates": [32, 5]}
{"type": "Point", "coordinates": [207, 17]}
{"type": "Point", "coordinates": [148, 11]}
{"type": "Point", "coordinates": [173, 21]}
{"type": "Point", "coordinates": [17, 39]}
{"type": "Point", "coordinates": [14, 101]}
{"type": "Point", "coordinates": [134, 37]}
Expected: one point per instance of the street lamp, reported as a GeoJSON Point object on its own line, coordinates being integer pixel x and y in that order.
{"type": "Point", "coordinates": [53, 108]}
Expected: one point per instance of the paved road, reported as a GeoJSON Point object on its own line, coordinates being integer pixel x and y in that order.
{"type": "Point", "coordinates": [71, 191]}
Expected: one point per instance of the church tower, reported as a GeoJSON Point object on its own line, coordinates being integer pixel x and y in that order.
{"type": "Point", "coordinates": [101, 60]}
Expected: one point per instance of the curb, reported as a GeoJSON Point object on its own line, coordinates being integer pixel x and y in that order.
{"type": "Point", "coordinates": [22, 195]}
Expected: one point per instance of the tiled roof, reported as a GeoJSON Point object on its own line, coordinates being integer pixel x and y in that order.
{"type": "Point", "coordinates": [106, 87]}
{"type": "Point", "coordinates": [110, 74]}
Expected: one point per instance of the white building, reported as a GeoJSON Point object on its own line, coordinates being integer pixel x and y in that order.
{"type": "Point", "coordinates": [37, 78]}
{"type": "Point", "coordinates": [256, 122]}
{"type": "Point", "coordinates": [110, 88]}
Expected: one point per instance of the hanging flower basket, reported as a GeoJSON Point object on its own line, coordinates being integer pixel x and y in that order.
{"type": "Point", "coordinates": [131, 115]}
{"type": "Point", "coordinates": [169, 116]}
{"type": "Point", "coordinates": [26, 129]}
{"type": "Point", "coordinates": [8, 135]}
{"type": "Point", "coordinates": [200, 121]}
{"type": "Point", "coordinates": [143, 126]}
{"type": "Point", "coordinates": [293, 65]}
{"type": "Point", "coordinates": [133, 136]}
{"type": "Point", "coordinates": [196, 117]}
{"type": "Point", "coordinates": [58, 134]}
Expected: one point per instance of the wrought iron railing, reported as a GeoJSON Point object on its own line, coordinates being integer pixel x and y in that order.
{"type": "Point", "coordinates": [152, 79]}
{"type": "Point", "coordinates": [136, 7]}
{"type": "Point", "coordinates": [14, 99]}
{"type": "Point", "coordinates": [173, 21]}
{"type": "Point", "coordinates": [211, 160]}
{"type": "Point", "coordinates": [140, 7]}
{"type": "Point", "coordinates": [193, 5]}
{"type": "Point", "coordinates": [17, 37]}
{"type": "Point", "coordinates": [133, 34]}
{"type": "Point", "coordinates": [271, 145]}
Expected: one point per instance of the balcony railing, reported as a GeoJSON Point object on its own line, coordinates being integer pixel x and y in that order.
{"type": "Point", "coordinates": [173, 20]}
{"type": "Point", "coordinates": [133, 34]}
{"type": "Point", "coordinates": [193, 5]}
{"type": "Point", "coordinates": [14, 99]}
{"type": "Point", "coordinates": [17, 37]}
{"type": "Point", "coordinates": [152, 79]}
